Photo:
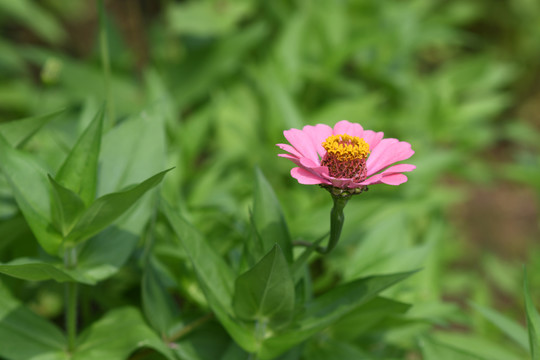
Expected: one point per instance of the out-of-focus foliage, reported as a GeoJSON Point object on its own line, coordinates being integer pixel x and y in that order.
{"type": "Point", "coordinates": [207, 87]}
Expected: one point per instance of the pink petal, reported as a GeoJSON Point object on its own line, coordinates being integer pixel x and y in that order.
{"type": "Point", "coordinates": [394, 179]}
{"type": "Point", "coordinates": [389, 176]}
{"type": "Point", "coordinates": [318, 134]}
{"type": "Point", "coordinates": [387, 152]}
{"type": "Point", "coordinates": [294, 159]}
{"type": "Point", "coordinates": [307, 178]}
{"type": "Point", "coordinates": [302, 143]}
{"type": "Point", "coordinates": [288, 148]}
{"type": "Point", "coordinates": [372, 138]}
{"type": "Point", "coordinates": [345, 127]}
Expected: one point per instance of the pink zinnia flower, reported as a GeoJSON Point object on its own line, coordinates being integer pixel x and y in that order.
{"type": "Point", "coordinates": [345, 157]}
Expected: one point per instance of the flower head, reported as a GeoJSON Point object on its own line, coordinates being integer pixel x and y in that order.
{"type": "Point", "coordinates": [345, 157]}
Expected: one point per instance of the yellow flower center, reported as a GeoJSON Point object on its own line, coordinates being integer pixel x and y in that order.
{"type": "Point", "coordinates": [345, 147]}
{"type": "Point", "coordinates": [346, 157]}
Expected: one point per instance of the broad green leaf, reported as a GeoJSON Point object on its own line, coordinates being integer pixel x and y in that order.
{"type": "Point", "coordinates": [105, 210]}
{"type": "Point", "coordinates": [268, 218]}
{"type": "Point", "coordinates": [36, 270]}
{"type": "Point", "coordinates": [17, 132]}
{"type": "Point", "coordinates": [116, 336]}
{"type": "Point", "coordinates": [512, 329]}
{"type": "Point", "coordinates": [533, 320]}
{"type": "Point", "coordinates": [25, 335]}
{"type": "Point", "coordinates": [79, 171]}
{"type": "Point", "coordinates": [327, 309]}
{"type": "Point", "coordinates": [215, 277]}
{"type": "Point", "coordinates": [66, 207]}
{"type": "Point", "coordinates": [28, 182]}
{"type": "Point", "coordinates": [104, 254]}
{"type": "Point", "coordinates": [158, 305]}
{"type": "Point", "coordinates": [265, 293]}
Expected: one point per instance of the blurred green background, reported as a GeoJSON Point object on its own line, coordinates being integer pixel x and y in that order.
{"type": "Point", "coordinates": [459, 80]}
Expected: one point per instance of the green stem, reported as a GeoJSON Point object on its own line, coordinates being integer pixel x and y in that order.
{"type": "Point", "coordinates": [336, 223]}
{"type": "Point", "coordinates": [70, 261]}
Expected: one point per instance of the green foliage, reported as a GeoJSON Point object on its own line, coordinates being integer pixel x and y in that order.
{"type": "Point", "coordinates": [214, 258]}
{"type": "Point", "coordinates": [265, 293]}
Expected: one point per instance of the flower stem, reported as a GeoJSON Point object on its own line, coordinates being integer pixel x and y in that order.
{"type": "Point", "coordinates": [70, 261]}
{"type": "Point", "coordinates": [336, 222]}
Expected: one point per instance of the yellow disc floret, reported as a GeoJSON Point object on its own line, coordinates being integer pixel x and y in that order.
{"type": "Point", "coordinates": [345, 147]}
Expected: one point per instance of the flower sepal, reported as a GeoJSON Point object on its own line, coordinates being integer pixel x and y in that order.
{"type": "Point", "coordinates": [344, 193]}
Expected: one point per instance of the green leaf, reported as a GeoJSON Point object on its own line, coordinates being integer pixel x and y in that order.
{"type": "Point", "coordinates": [79, 171]}
{"type": "Point", "coordinates": [432, 350]}
{"type": "Point", "coordinates": [28, 182]}
{"type": "Point", "coordinates": [116, 336]}
{"type": "Point", "coordinates": [130, 152]}
{"type": "Point", "coordinates": [266, 291]}
{"type": "Point", "coordinates": [270, 224]}
{"type": "Point", "coordinates": [327, 309]}
{"type": "Point", "coordinates": [533, 321]}
{"type": "Point", "coordinates": [35, 17]}
{"type": "Point", "coordinates": [512, 329]}
{"type": "Point", "coordinates": [66, 207]}
{"type": "Point", "coordinates": [109, 207]}
{"type": "Point", "coordinates": [25, 335]}
{"type": "Point", "coordinates": [158, 305]}
{"type": "Point", "coordinates": [367, 316]}
{"type": "Point", "coordinates": [36, 270]}
{"type": "Point", "coordinates": [18, 132]}
{"type": "Point", "coordinates": [475, 346]}
{"type": "Point", "coordinates": [215, 277]}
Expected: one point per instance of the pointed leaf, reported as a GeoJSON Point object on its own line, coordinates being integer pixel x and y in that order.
{"type": "Point", "coordinates": [213, 274]}
{"type": "Point", "coordinates": [329, 308]}
{"type": "Point", "coordinates": [66, 207]}
{"type": "Point", "coordinates": [511, 328]}
{"type": "Point", "coordinates": [18, 132]}
{"type": "Point", "coordinates": [79, 171]}
{"type": "Point", "coordinates": [25, 335]}
{"type": "Point", "coordinates": [268, 218]}
{"type": "Point", "coordinates": [108, 208]}
{"type": "Point", "coordinates": [158, 305]}
{"type": "Point", "coordinates": [533, 321]}
{"type": "Point", "coordinates": [266, 291]}
{"type": "Point", "coordinates": [116, 335]}
{"type": "Point", "coordinates": [36, 270]}
{"type": "Point", "coordinates": [28, 182]}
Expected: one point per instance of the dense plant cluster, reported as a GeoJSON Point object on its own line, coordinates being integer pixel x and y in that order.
{"type": "Point", "coordinates": [145, 214]}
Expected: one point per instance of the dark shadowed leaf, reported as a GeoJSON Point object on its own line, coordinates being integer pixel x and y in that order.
{"type": "Point", "coordinates": [25, 335]}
